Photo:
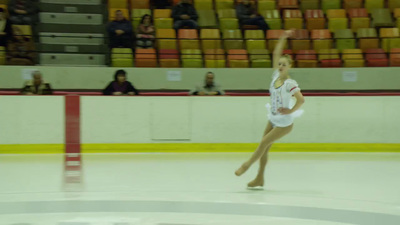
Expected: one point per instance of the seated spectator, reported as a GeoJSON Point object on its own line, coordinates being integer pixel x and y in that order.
{"type": "Point", "coordinates": [209, 87]}
{"type": "Point", "coordinates": [120, 32]}
{"type": "Point", "coordinates": [184, 15]}
{"type": "Point", "coordinates": [120, 86]}
{"type": "Point", "coordinates": [36, 86]}
{"type": "Point", "coordinates": [145, 33]}
{"type": "Point", "coordinates": [247, 15]}
{"type": "Point", "coordinates": [23, 12]}
{"type": "Point", "coordinates": [5, 28]}
{"type": "Point", "coordinates": [20, 49]}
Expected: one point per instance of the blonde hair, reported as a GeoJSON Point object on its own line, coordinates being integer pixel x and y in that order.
{"type": "Point", "coordinates": [288, 58]}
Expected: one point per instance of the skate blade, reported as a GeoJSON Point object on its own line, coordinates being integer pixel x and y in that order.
{"type": "Point", "coordinates": [256, 188]}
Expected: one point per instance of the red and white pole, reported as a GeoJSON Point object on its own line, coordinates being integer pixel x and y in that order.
{"type": "Point", "coordinates": [73, 162]}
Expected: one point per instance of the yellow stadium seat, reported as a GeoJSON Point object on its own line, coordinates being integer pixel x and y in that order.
{"type": "Point", "coordinates": [322, 44]}
{"type": "Point", "coordinates": [357, 23]}
{"type": "Point", "coordinates": [203, 5]}
{"type": "Point", "coordinates": [26, 29]}
{"type": "Point", "coordinates": [293, 23]}
{"type": "Point", "coordinates": [3, 6]}
{"type": "Point", "coordinates": [266, 5]}
{"type": "Point", "coordinates": [226, 13]}
{"type": "Point", "coordinates": [255, 40]}
{"type": "Point", "coordinates": [188, 39]}
{"type": "Point", "coordinates": [163, 23]}
{"type": "Point", "coordinates": [232, 39]}
{"type": "Point", "coordinates": [260, 58]}
{"type": "Point", "coordinates": [141, 4]}
{"type": "Point", "coordinates": [210, 39]}
{"type": "Point", "coordinates": [207, 18]}
{"type": "Point", "coordinates": [254, 34]}
{"type": "Point", "coordinates": [398, 23]}
{"type": "Point", "coordinates": [273, 19]}
{"type": "Point", "coordinates": [330, 4]}
{"type": "Point", "coordinates": [161, 13]}
{"type": "Point", "coordinates": [191, 58]}
{"type": "Point", "coordinates": [255, 44]}
{"type": "Point", "coordinates": [336, 13]}
{"type": "Point", "coordinates": [337, 19]}
{"type": "Point", "coordinates": [228, 23]}
{"type": "Point", "coordinates": [2, 55]}
{"type": "Point", "coordinates": [166, 39]}
{"type": "Point", "coordinates": [367, 38]}
{"type": "Point", "coordinates": [117, 4]}
{"type": "Point", "coordinates": [353, 58]}
{"type": "Point", "coordinates": [324, 54]}
{"type": "Point", "coordinates": [215, 63]}
{"type": "Point", "coordinates": [338, 24]}
{"type": "Point", "coordinates": [224, 4]}
{"type": "Point", "coordinates": [189, 44]}
{"type": "Point", "coordinates": [309, 4]}
{"type": "Point", "coordinates": [390, 38]}
{"type": "Point", "coordinates": [121, 57]}
{"type": "Point", "coordinates": [139, 13]}
{"type": "Point", "coordinates": [393, 4]}
{"type": "Point", "coordinates": [374, 4]}
{"type": "Point", "coordinates": [293, 19]}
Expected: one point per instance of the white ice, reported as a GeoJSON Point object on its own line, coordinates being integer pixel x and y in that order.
{"type": "Point", "coordinates": [201, 188]}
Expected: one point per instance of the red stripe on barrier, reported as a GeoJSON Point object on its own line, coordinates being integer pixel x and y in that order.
{"type": "Point", "coordinates": [73, 162]}
{"type": "Point", "coordinates": [72, 124]}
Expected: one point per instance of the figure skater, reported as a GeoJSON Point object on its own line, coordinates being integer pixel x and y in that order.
{"type": "Point", "coordinates": [282, 111]}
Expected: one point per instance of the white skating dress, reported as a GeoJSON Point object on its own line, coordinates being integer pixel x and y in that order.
{"type": "Point", "coordinates": [282, 97]}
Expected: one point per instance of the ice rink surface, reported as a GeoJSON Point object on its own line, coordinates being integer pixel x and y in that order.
{"type": "Point", "coordinates": [201, 189]}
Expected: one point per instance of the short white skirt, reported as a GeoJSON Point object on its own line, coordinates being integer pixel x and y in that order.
{"type": "Point", "coordinates": [280, 120]}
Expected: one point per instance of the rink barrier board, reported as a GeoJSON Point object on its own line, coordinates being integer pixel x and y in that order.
{"type": "Point", "coordinates": [185, 147]}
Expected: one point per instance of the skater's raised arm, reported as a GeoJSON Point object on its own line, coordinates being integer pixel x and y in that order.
{"type": "Point", "coordinates": [279, 47]}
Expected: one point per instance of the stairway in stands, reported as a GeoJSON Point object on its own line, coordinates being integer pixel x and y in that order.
{"type": "Point", "coordinates": [72, 32]}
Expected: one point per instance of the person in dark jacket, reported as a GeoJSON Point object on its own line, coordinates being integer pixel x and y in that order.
{"type": "Point", "coordinates": [120, 32]}
{"type": "Point", "coordinates": [120, 86]}
{"type": "Point", "coordinates": [185, 15]}
{"type": "Point", "coordinates": [247, 15]}
{"type": "Point", "coordinates": [5, 28]}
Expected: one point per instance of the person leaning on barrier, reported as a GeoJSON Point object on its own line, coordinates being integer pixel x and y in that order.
{"type": "Point", "coordinates": [36, 86]}
{"type": "Point", "coordinates": [120, 86]}
{"type": "Point", "coordinates": [209, 87]}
